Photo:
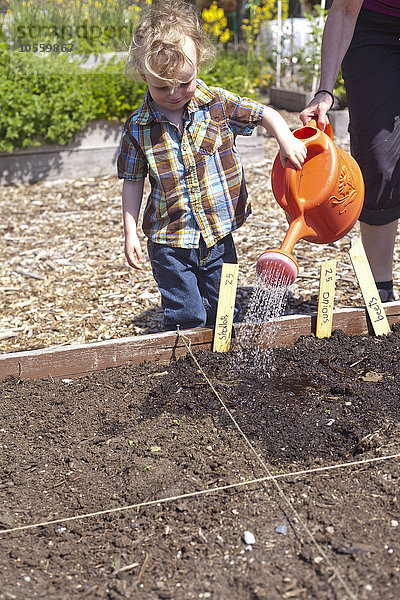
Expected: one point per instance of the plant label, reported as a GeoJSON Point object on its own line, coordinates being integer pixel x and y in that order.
{"type": "Point", "coordinates": [326, 298]}
{"type": "Point", "coordinates": [226, 306]}
{"type": "Point", "coordinates": [369, 290]}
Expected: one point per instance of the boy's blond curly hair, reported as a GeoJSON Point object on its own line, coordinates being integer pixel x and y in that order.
{"type": "Point", "coordinates": [157, 43]}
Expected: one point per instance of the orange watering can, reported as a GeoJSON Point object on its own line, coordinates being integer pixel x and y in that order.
{"type": "Point", "coordinates": [322, 201]}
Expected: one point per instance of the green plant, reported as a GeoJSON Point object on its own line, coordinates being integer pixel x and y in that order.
{"type": "Point", "coordinates": [236, 71]}
{"type": "Point", "coordinates": [309, 57]}
{"type": "Point", "coordinates": [3, 39]}
{"type": "Point", "coordinates": [260, 11]}
{"type": "Point", "coordinates": [115, 96]}
{"type": "Point", "coordinates": [91, 25]}
{"type": "Point", "coordinates": [40, 100]}
{"type": "Point", "coordinates": [306, 71]}
{"type": "Point", "coordinates": [49, 100]}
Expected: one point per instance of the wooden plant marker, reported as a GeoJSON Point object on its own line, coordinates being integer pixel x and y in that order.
{"type": "Point", "coordinates": [369, 290]}
{"type": "Point", "coordinates": [226, 306]}
{"type": "Point", "coordinates": [326, 298]}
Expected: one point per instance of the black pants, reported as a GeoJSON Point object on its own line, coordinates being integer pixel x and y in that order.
{"type": "Point", "coordinates": [371, 73]}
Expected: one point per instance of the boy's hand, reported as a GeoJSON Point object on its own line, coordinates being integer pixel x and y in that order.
{"type": "Point", "coordinates": [290, 148]}
{"type": "Point", "coordinates": [293, 150]}
{"type": "Point", "coordinates": [133, 251]}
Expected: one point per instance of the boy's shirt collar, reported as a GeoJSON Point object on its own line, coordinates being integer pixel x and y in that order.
{"type": "Point", "coordinates": [203, 95]}
{"type": "Point", "coordinates": [147, 113]}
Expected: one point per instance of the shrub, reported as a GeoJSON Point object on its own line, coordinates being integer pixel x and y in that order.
{"type": "Point", "coordinates": [236, 70]}
{"type": "Point", "coordinates": [115, 95]}
{"type": "Point", "coordinates": [49, 100]}
{"type": "Point", "coordinates": [92, 26]}
{"type": "Point", "coordinates": [41, 101]}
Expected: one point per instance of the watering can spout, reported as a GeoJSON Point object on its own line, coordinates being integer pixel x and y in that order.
{"type": "Point", "coordinates": [298, 229]}
{"type": "Point", "coordinates": [322, 200]}
{"type": "Point", "coordinates": [277, 267]}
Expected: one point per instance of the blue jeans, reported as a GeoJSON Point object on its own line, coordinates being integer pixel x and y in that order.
{"type": "Point", "coordinates": [189, 279]}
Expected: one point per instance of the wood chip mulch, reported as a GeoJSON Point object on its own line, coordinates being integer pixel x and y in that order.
{"type": "Point", "coordinates": [64, 278]}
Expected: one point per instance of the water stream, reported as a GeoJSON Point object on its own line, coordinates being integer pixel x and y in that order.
{"type": "Point", "coordinates": [259, 327]}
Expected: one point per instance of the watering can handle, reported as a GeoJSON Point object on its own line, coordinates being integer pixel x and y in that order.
{"type": "Point", "coordinates": [328, 129]}
{"type": "Point", "coordinates": [318, 144]}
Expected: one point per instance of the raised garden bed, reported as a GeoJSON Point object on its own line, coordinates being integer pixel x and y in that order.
{"type": "Point", "coordinates": [82, 359]}
{"type": "Point", "coordinates": [93, 154]}
{"type": "Point", "coordinates": [293, 100]}
{"type": "Point", "coordinates": [158, 434]}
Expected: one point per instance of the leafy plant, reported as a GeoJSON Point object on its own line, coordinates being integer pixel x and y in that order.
{"type": "Point", "coordinates": [92, 25]}
{"type": "Point", "coordinates": [302, 70]}
{"type": "Point", "coordinates": [115, 96]}
{"type": "Point", "coordinates": [236, 71]}
{"type": "Point", "coordinates": [50, 100]}
{"type": "Point", "coordinates": [40, 100]}
{"type": "Point", "coordinates": [260, 11]}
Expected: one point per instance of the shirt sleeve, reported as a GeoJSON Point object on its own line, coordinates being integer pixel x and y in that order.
{"type": "Point", "coordinates": [131, 162]}
{"type": "Point", "coordinates": [243, 113]}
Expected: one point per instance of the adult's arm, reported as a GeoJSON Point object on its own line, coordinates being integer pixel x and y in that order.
{"type": "Point", "coordinates": [338, 33]}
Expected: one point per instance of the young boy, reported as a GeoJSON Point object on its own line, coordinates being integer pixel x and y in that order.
{"type": "Point", "coordinates": [183, 137]}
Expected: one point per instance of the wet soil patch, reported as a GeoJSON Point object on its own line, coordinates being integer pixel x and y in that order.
{"type": "Point", "coordinates": [137, 434]}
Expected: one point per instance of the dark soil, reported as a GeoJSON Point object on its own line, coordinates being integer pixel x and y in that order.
{"type": "Point", "coordinates": [136, 434]}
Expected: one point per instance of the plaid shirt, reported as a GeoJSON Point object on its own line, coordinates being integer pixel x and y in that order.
{"type": "Point", "coordinates": [197, 183]}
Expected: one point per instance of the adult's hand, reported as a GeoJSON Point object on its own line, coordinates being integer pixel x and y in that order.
{"type": "Point", "coordinates": [317, 109]}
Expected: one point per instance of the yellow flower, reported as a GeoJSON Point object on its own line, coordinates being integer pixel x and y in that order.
{"type": "Point", "coordinates": [225, 36]}
{"type": "Point", "coordinates": [215, 22]}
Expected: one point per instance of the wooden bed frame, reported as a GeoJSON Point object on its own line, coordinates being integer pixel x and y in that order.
{"type": "Point", "coordinates": [82, 359]}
